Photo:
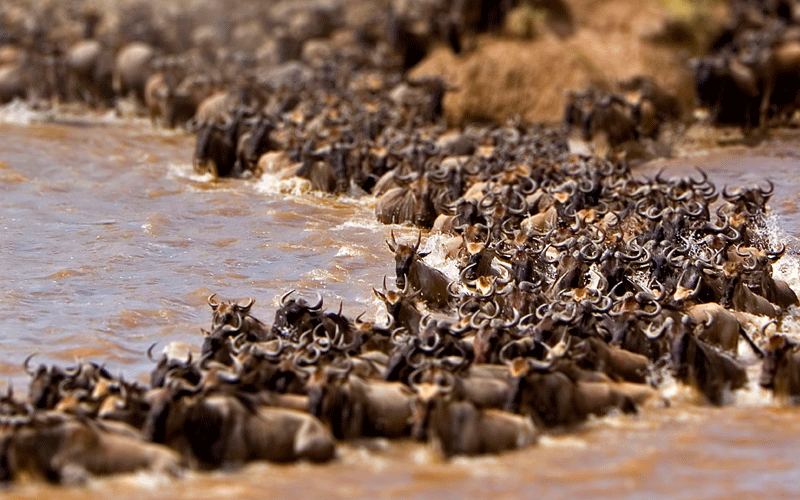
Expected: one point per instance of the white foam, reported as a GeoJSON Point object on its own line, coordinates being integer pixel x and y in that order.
{"type": "Point", "coordinates": [360, 222]}
{"type": "Point", "coordinates": [270, 183]}
{"type": "Point", "coordinates": [186, 171]}
{"type": "Point", "coordinates": [564, 441]}
{"type": "Point", "coordinates": [349, 251]}
{"type": "Point", "coordinates": [19, 112]}
{"type": "Point", "coordinates": [437, 256]}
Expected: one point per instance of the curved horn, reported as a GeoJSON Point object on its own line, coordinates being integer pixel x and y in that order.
{"type": "Point", "coordinates": [766, 193]}
{"type": "Point", "coordinates": [773, 256]}
{"type": "Point", "coordinates": [150, 352]}
{"type": "Point", "coordinates": [250, 302]}
{"type": "Point", "coordinates": [652, 334]}
{"type": "Point", "coordinates": [318, 305]}
{"type": "Point", "coordinates": [211, 302]}
{"type": "Point", "coordinates": [286, 296]}
{"type": "Point", "coordinates": [27, 368]}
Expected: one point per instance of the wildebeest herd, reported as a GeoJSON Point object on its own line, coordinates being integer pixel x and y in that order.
{"type": "Point", "coordinates": [581, 288]}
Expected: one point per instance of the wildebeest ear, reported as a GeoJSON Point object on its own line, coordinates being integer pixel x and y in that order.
{"type": "Point", "coordinates": [422, 255]}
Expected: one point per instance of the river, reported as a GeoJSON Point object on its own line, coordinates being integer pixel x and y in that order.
{"type": "Point", "coordinates": [110, 243]}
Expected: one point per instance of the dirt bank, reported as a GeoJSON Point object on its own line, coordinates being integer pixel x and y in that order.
{"type": "Point", "coordinates": [505, 77]}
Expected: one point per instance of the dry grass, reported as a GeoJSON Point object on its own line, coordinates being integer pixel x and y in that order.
{"type": "Point", "coordinates": [504, 78]}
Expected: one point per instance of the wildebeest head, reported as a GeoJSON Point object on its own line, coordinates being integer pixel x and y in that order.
{"type": "Point", "coordinates": [215, 149]}
{"type": "Point", "coordinates": [228, 312]}
{"type": "Point", "coordinates": [170, 367]}
{"type": "Point", "coordinates": [404, 256]}
{"type": "Point", "coordinates": [433, 387]}
{"type": "Point", "coordinates": [779, 371]}
{"type": "Point", "coordinates": [296, 316]}
{"type": "Point", "coordinates": [329, 397]}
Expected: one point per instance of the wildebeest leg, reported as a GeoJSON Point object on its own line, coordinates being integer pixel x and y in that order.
{"type": "Point", "coordinates": [759, 352]}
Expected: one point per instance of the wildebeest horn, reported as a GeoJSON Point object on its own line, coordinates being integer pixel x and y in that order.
{"type": "Point", "coordinates": [732, 197]}
{"type": "Point", "coordinates": [539, 365]}
{"type": "Point", "coordinates": [703, 179]}
{"type": "Point", "coordinates": [768, 192]}
{"type": "Point", "coordinates": [660, 179]}
{"type": "Point", "coordinates": [227, 377]}
{"type": "Point", "coordinates": [250, 302]}
{"type": "Point", "coordinates": [426, 319]}
{"type": "Point", "coordinates": [150, 352]}
{"type": "Point", "coordinates": [285, 296]}
{"type": "Point", "coordinates": [474, 323]}
{"type": "Point", "coordinates": [274, 353]}
{"type": "Point", "coordinates": [308, 360]}
{"type": "Point", "coordinates": [428, 346]}
{"type": "Point", "coordinates": [514, 321]}
{"type": "Point", "coordinates": [652, 334]}
{"type": "Point", "coordinates": [76, 370]}
{"type": "Point", "coordinates": [27, 368]}
{"type": "Point", "coordinates": [773, 256]}
{"type": "Point", "coordinates": [709, 320]}
{"type": "Point", "coordinates": [318, 305]}
{"type": "Point", "coordinates": [413, 379]}
{"type": "Point", "coordinates": [646, 296]}
{"type": "Point", "coordinates": [212, 302]}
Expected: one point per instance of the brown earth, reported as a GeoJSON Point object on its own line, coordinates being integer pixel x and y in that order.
{"type": "Point", "coordinates": [505, 77]}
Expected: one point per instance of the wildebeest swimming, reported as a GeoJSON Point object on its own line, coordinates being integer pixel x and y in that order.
{"type": "Point", "coordinates": [581, 286]}
{"type": "Point", "coordinates": [607, 308]}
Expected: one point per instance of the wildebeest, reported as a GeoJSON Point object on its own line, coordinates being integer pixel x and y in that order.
{"type": "Point", "coordinates": [355, 407]}
{"type": "Point", "coordinates": [611, 116]}
{"type": "Point", "coordinates": [215, 149]}
{"type": "Point", "coordinates": [730, 90]}
{"type": "Point", "coordinates": [65, 449]}
{"type": "Point", "coordinates": [553, 399]}
{"type": "Point", "coordinates": [781, 369]}
{"type": "Point", "coordinates": [432, 284]}
{"type": "Point", "coordinates": [720, 326]}
{"type": "Point", "coordinates": [214, 429]}
{"type": "Point", "coordinates": [617, 363]}
{"type": "Point", "coordinates": [132, 68]}
{"type": "Point", "coordinates": [461, 428]}
{"type": "Point", "coordinates": [711, 372]}
{"type": "Point", "coordinates": [296, 316]}
{"type": "Point", "coordinates": [401, 307]}
{"type": "Point", "coordinates": [411, 203]}
{"type": "Point", "coordinates": [89, 68]}
{"type": "Point", "coordinates": [238, 317]}
{"type": "Point", "coordinates": [780, 70]}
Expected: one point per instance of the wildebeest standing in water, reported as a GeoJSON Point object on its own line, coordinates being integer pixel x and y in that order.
{"type": "Point", "coordinates": [432, 284]}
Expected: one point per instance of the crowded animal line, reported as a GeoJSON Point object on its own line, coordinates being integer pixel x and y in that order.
{"type": "Point", "coordinates": [581, 289]}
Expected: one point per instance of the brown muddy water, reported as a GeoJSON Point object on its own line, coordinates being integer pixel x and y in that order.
{"type": "Point", "coordinates": [110, 243]}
